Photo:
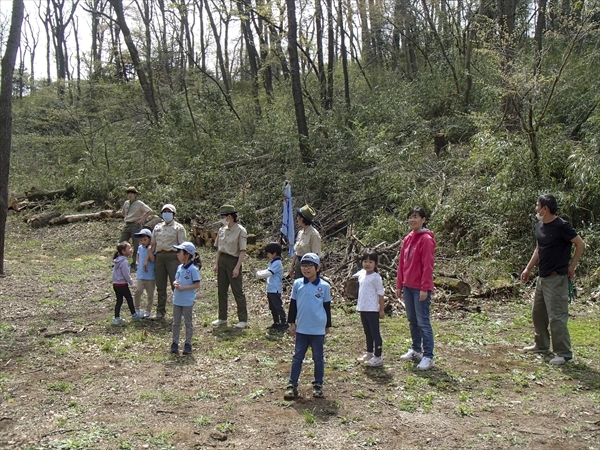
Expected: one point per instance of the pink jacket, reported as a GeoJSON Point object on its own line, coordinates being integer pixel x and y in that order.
{"type": "Point", "coordinates": [415, 264]}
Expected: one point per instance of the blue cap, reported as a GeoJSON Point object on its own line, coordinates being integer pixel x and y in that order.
{"type": "Point", "coordinates": [143, 232]}
{"type": "Point", "coordinates": [186, 247]}
{"type": "Point", "coordinates": [312, 258]}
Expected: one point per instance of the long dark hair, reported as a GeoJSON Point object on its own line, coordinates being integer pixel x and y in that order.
{"type": "Point", "coordinates": [121, 246]}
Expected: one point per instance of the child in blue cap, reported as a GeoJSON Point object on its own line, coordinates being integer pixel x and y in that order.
{"type": "Point", "coordinates": [187, 282]}
{"type": "Point", "coordinates": [309, 317]}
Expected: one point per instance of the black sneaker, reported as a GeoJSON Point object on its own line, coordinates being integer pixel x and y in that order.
{"type": "Point", "coordinates": [187, 349]}
{"type": "Point", "coordinates": [291, 392]}
{"type": "Point", "coordinates": [284, 326]}
{"type": "Point", "coordinates": [317, 390]}
{"type": "Point", "coordinates": [273, 326]}
{"type": "Point", "coordinates": [175, 348]}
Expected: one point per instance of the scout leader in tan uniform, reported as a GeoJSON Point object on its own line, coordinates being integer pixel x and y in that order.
{"type": "Point", "coordinates": [135, 213]}
{"type": "Point", "coordinates": [307, 241]}
{"type": "Point", "coordinates": [164, 236]}
{"type": "Point", "coordinates": [231, 250]}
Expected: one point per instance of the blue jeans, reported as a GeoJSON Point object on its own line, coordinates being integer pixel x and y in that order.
{"type": "Point", "coordinates": [316, 343]}
{"type": "Point", "coordinates": [418, 317]}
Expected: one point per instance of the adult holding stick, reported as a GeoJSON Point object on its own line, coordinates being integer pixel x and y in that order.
{"type": "Point", "coordinates": [555, 238]}
{"type": "Point", "coordinates": [307, 241]}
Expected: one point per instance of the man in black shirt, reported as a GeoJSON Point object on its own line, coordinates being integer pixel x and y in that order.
{"type": "Point", "coordinates": [555, 237]}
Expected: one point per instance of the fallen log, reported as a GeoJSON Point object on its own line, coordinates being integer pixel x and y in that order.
{"type": "Point", "coordinates": [40, 220]}
{"type": "Point", "coordinates": [36, 195]}
{"type": "Point", "coordinates": [100, 215]}
{"type": "Point", "coordinates": [452, 285]}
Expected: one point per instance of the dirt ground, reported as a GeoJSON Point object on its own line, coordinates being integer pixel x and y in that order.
{"type": "Point", "coordinates": [69, 379]}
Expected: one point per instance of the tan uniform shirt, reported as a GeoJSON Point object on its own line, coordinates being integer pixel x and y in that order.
{"type": "Point", "coordinates": [134, 211]}
{"type": "Point", "coordinates": [166, 235]}
{"type": "Point", "coordinates": [308, 241]}
{"type": "Point", "coordinates": [231, 240]}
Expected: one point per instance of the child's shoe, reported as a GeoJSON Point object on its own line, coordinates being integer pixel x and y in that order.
{"type": "Point", "coordinates": [135, 317]}
{"type": "Point", "coordinates": [375, 361]}
{"type": "Point", "coordinates": [366, 357]}
{"type": "Point", "coordinates": [145, 315]}
{"type": "Point", "coordinates": [118, 321]}
{"type": "Point", "coordinates": [291, 392]}
{"type": "Point", "coordinates": [175, 348]}
{"type": "Point", "coordinates": [187, 349]}
{"type": "Point", "coordinates": [317, 390]}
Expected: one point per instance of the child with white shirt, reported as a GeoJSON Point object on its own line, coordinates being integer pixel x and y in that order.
{"type": "Point", "coordinates": [370, 305]}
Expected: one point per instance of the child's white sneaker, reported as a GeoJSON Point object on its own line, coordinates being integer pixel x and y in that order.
{"type": "Point", "coordinates": [241, 325]}
{"type": "Point", "coordinates": [118, 321]}
{"type": "Point", "coordinates": [375, 361]}
{"type": "Point", "coordinates": [364, 358]}
{"type": "Point", "coordinates": [425, 364]}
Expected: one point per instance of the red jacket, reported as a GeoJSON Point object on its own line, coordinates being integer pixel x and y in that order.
{"type": "Point", "coordinates": [415, 264]}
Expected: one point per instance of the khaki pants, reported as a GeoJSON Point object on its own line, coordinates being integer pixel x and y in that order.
{"type": "Point", "coordinates": [551, 307]}
{"type": "Point", "coordinates": [141, 286]}
{"type": "Point", "coordinates": [127, 233]}
{"type": "Point", "coordinates": [225, 278]}
{"type": "Point", "coordinates": [165, 267]}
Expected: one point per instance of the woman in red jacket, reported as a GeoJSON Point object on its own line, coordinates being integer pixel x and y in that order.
{"type": "Point", "coordinates": [415, 284]}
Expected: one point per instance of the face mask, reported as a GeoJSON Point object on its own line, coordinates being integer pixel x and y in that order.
{"type": "Point", "coordinates": [539, 216]}
{"type": "Point", "coordinates": [167, 216]}
{"type": "Point", "coordinates": [223, 221]}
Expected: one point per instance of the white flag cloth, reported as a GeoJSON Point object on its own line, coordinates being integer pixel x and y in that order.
{"type": "Point", "coordinates": [287, 222]}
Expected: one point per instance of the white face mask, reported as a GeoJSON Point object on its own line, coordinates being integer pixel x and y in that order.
{"type": "Point", "coordinates": [538, 216]}
{"type": "Point", "coordinates": [223, 221]}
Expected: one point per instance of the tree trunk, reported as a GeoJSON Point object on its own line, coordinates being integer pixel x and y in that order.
{"type": "Point", "coordinates": [469, 54]}
{"type": "Point", "coordinates": [320, 60]}
{"type": "Point", "coordinates": [344, 54]}
{"type": "Point", "coordinates": [8, 68]}
{"type": "Point", "coordinates": [253, 57]}
{"type": "Point", "coordinates": [330, 55]}
{"type": "Point", "coordinates": [305, 150]}
{"type": "Point", "coordinates": [135, 58]}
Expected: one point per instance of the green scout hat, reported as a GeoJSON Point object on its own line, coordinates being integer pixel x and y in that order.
{"type": "Point", "coordinates": [226, 210]}
{"type": "Point", "coordinates": [307, 212]}
{"type": "Point", "coordinates": [132, 189]}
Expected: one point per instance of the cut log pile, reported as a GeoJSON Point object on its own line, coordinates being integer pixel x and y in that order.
{"type": "Point", "coordinates": [35, 198]}
{"type": "Point", "coordinates": [203, 232]}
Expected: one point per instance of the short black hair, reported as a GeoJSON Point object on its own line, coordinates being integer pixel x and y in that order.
{"type": "Point", "coordinates": [417, 210]}
{"type": "Point", "coordinates": [273, 247]}
{"type": "Point", "coordinates": [550, 201]}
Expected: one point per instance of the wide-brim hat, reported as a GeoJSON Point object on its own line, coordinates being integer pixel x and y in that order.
{"type": "Point", "coordinates": [170, 207]}
{"type": "Point", "coordinates": [226, 210]}
{"type": "Point", "coordinates": [307, 212]}
{"type": "Point", "coordinates": [143, 232]}
{"type": "Point", "coordinates": [132, 189]}
{"type": "Point", "coordinates": [186, 247]}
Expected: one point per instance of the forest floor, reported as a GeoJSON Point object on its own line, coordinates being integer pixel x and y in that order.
{"type": "Point", "coordinates": [69, 379]}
